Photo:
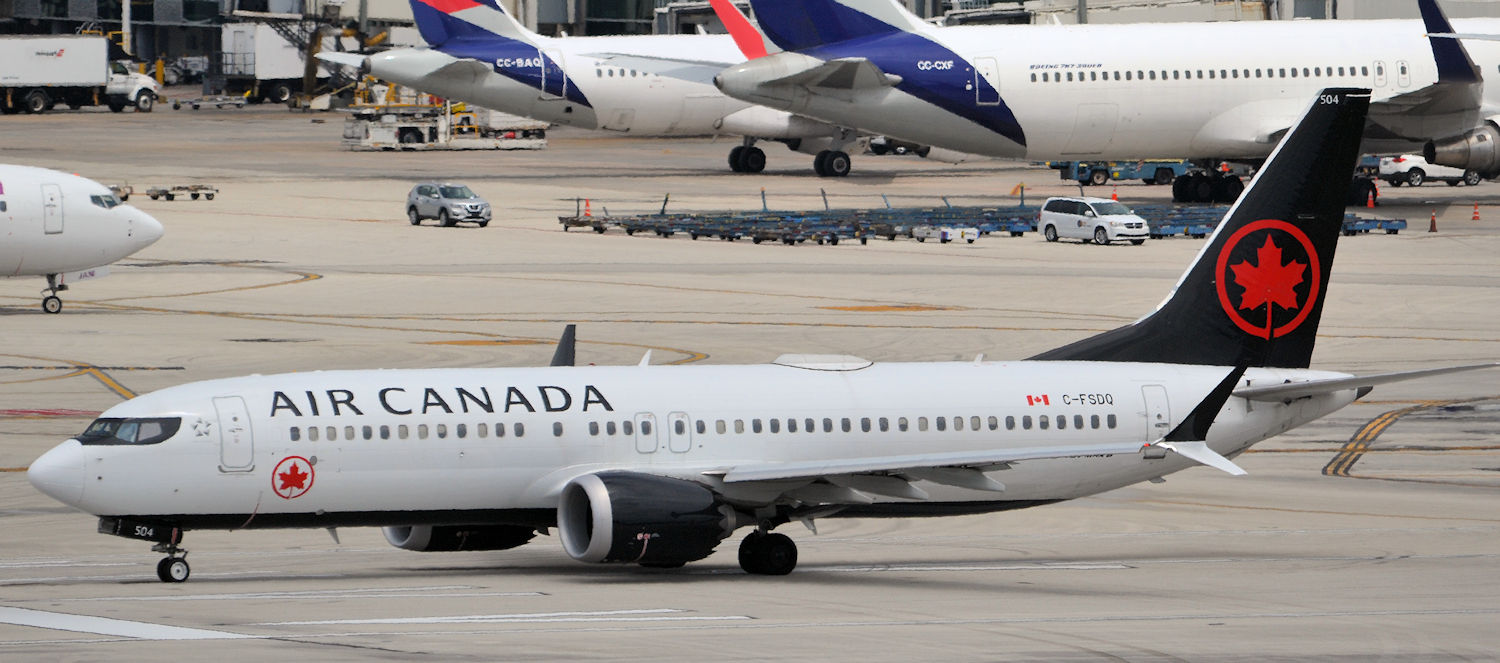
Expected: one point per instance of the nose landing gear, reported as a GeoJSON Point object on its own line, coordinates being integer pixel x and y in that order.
{"type": "Point", "coordinates": [173, 567]}
{"type": "Point", "coordinates": [52, 303]}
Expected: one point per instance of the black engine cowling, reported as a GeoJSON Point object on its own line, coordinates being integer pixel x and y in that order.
{"type": "Point", "coordinates": [641, 518]}
{"type": "Point", "coordinates": [449, 538]}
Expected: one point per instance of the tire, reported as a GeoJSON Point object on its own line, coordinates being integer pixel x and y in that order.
{"type": "Point", "coordinates": [1050, 233]}
{"type": "Point", "coordinates": [483, 224]}
{"type": "Point", "coordinates": [737, 159]}
{"type": "Point", "coordinates": [1395, 181]}
{"type": "Point", "coordinates": [444, 220]}
{"type": "Point", "coordinates": [280, 93]}
{"type": "Point", "coordinates": [1453, 182]}
{"type": "Point", "coordinates": [409, 137]}
{"type": "Point", "coordinates": [1415, 177]}
{"type": "Point", "coordinates": [413, 216]}
{"type": "Point", "coordinates": [36, 101]}
{"type": "Point", "coordinates": [194, 196]}
{"type": "Point", "coordinates": [1472, 178]}
{"type": "Point", "coordinates": [819, 162]}
{"type": "Point", "coordinates": [171, 196]}
{"type": "Point", "coordinates": [837, 164]}
{"type": "Point", "coordinates": [208, 196]}
{"type": "Point", "coordinates": [1098, 177]}
{"type": "Point", "coordinates": [144, 102]}
{"type": "Point", "coordinates": [1228, 189]}
{"type": "Point", "coordinates": [173, 569]}
{"type": "Point", "coordinates": [754, 159]}
{"type": "Point", "coordinates": [1163, 176]}
{"type": "Point", "coordinates": [115, 106]}
{"type": "Point", "coordinates": [1137, 242]}
{"type": "Point", "coordinates": [779, 555]}
{"type": "Point", "coordinates": [52, 304]}
{"type": "Point", "coordinates": [1101, 236]}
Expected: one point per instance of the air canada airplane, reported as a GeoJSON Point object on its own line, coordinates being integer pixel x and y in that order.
{"type": "Point", "coordinates": [1092, 93]}
{"type": "Point", "coordinates": [641, 85]}
{"type": "Point", "coordinates": [65, 227]}
{"type": "Point", "coordinates": [656, 465]}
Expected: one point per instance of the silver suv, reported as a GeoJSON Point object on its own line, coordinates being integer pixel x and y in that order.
{"type": "Point", "coordinates": [448, 203]}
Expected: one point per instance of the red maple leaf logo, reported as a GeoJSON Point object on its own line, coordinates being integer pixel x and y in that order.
{"type": "Point", "coordinates": [293, 479]}
{"type": "Point", "coordinates": [1269, 281]}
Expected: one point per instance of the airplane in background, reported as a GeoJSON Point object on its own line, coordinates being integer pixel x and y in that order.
{"type": "Point", "coordinates": [656, 465]}
{"type": "Point", "coordinates": [641, 85]}
{"type": "Point", "coordinates": [1211, 92]}
{"type": "Point", "coordinates": [65, 227]}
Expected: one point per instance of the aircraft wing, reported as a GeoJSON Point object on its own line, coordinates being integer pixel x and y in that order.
{"type": "Point", "coordinates": [695, 71]}
{"type": "Point", "coordinates": [840, 74]}
{"type": "Point", "coordinates": [1294, 390]}
{"type": "Point", "coordinates": [917, 463]}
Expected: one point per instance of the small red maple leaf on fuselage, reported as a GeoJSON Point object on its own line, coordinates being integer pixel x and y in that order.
{"type": "Point", "coordinates": [293, 478]}
{"type": "Point", "coordinates": [1269, 281]}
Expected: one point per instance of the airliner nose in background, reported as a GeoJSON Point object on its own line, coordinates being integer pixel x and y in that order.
{"type": "Point", "coordinates": [66, 228]}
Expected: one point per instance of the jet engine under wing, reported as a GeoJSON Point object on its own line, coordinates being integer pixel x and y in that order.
{"type": "Point", "coordinates": [693, 71]}
{"type": "Point", "coordinates": [1293, 390]}
{"type": "Point", "coordinates": [841, 74]}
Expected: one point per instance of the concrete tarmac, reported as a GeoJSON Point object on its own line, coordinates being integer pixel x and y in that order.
{"type": "Point", "coordinates": [1370, 535]}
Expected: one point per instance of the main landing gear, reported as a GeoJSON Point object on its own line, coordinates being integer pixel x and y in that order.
{"type": "Point", "coordinates": [747, 158]}
{"type": "Point", "coordinates": [768, 554]}
{"type": "Point", "coordinates": [1205, 187]}
{"type": "Point", "coordinates": [173, 567]}
{"type": "Point", "coordinates": [832, 163]}
{"type": "Point", "coordinates": [52, 303]}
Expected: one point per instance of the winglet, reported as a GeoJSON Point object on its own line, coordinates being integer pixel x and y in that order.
{"type": "Point", "coordinates": [1199, 451]}
{"type": "Point", "coordinates": [1453, 62]}
{"type": "Point", "coordinates": [564, 356]}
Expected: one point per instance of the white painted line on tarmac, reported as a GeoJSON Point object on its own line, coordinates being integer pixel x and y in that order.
{"type": "Point", "coordinates": [653, 614]}
{"type": "Point", "coordinates": [105, 626]}
{"type": "Point", "coordinates": [51, 563]}
{"type": "Point", "coordinates": [969, 567]}
{"type": "Point", "coordinates": [445, 591]}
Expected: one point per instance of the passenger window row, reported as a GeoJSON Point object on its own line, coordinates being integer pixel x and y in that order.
{"type": "Point", "coordinates": [1200, 74]}
{"type": "Point", "coordinates": [404, 432]}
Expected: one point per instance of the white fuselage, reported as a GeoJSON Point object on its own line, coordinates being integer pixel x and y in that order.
{"type": "Point", "coordinates": [55, 223]}
{"type": "Point", "coordinates": [448, 445]}
{"type": "Point", "coordinates": [1150, 90]}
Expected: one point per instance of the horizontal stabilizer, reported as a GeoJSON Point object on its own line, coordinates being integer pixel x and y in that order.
{"type": "Point", "coordinates": [1199, 452]}
{"type": "Point", "coordinates": [841, 74]}
{"type": "Point", "coordinates": [350, 60]}
{"type": "Point", "coordinates": [1293, 390]}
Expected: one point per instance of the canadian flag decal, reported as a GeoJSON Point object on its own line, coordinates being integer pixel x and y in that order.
{"type": "Point", "coordinates": [1038, 400]}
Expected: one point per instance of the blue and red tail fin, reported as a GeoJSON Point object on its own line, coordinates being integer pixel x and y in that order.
{"type": "Point", "coordinates": [444, 21]}
{"type": "Point", "coordinates": [1453, 62]}
{"type": "Point", "coordinates": [802, 24]}
{"type": "Point", "coordinates": [1255, 294]}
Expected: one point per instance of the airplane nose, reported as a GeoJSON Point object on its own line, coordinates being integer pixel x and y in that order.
{"type": "Point", "coordinates": [146, 230]}
{"type": "Point", "coordinates": [59, 473]}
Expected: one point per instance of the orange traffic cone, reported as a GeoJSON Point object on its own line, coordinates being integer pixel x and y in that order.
{"type": "Point", "coordinates": [1432, 227]}
{"type": "Point", "coordinates": [1115, 195]}
{"type": "Point", "coordinates": [1476, 212]}
{"type": "Point", "coordinates": [586, 211]}
{"type": "Point", "coordinates": [1374, 191]}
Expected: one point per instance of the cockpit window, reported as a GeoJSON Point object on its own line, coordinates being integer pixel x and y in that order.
{"type": "Point", "coordinates": [129, 431]}
{"type": "Point", "coordinates": [107, 201]}
{"type": "Point", "coordinates": [459, 192]}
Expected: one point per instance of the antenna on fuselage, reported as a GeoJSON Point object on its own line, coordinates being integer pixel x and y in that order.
{"type": "Point", "coordinates": [564, 354]}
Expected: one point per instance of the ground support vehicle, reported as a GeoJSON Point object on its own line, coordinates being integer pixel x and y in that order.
{"type": "Point", "coordinates": [219, 101]}
{"type": "Point", "coordinates": [1354, 225]}
{"type": "Point", "coordinates": [263, 61]}
{"type": "Point", "coordinates": [1158, 171]}
{"type": "Point", "coordinates": [193, 191]}
{"type": "Point", "coordinates": [945, 234]}
{"type": "Point", "coordinates": [37, 72]}
{"type": "Point", "coordinates": [439, 127]}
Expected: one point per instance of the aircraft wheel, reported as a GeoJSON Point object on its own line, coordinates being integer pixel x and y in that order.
{"type": "Point", "coordinates": [172, 569]}
{"type": "Point", "coordinates": [836, 164]}
{"type": "Point", "coordinates": [819, 162]}
{"type": "Point", "coordinates": [413, 216]}
{"type": "Point", "coordinates": [737, 159]}
{"type": "Point", "coordinates": [52, 304]}
{"type": "Point", "coordinates": [754, 160]}
{"type": "Point", "coordinates": [768, 554]}
{"type": "Point", "coordinates": [1050, 232]}
{"type": "Point", "coordinates": [444, 220]}
{"type": "Point", "coordinates": [1101, 236]}
{"type": "Point", "coordinates": [1228, 189]}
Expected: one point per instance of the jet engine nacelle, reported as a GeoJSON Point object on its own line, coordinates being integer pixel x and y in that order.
{"type": "Point", "coordinates": [449, 538]}
{"type": "Point", "coordinates": [1477, 150]}
{"type": "Point", "coordinates": [641, 518]}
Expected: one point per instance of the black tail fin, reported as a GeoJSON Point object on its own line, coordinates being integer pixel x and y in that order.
{"type": "Point", "coordinates": [1254, 295]}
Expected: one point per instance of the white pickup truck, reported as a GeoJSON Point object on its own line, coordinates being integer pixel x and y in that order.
{"type": "Point", "coordinates": [38, 72]}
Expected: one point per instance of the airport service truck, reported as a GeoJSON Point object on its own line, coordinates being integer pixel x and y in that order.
{"type": "Point", "coordinates": [261, 64]}
{"type": "Point", "coordinates": [39, 71]}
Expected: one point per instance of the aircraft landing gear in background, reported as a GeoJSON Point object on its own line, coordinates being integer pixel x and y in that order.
{"type": "Point", "coordinates": [747, 158]}
{"type": "Point", "coordinates": [52, 303]}
{"type": "Point", "coordinates": [768, 554]}
{"type": "Point", "coordinates": [173, 567]}
{"type": "Point", "coordinates": [1202, 187]}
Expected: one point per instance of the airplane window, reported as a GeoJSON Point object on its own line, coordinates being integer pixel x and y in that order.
{"type": "Point", "coordinates": [1026, 422]}
{"type": "Point", "coordinates": [627, 428]}
{"type": "Point", "coordinates": [827, 425]}
{"type": "Point", "coordinates": [791, 425]}
{"type": "Point", "coordinates": [385, 432]}
{"type": "Point", "coordinates": [1341, 71]}
{"type": "Point", "coordinates": [739, 426]}
{"type": "Point", "coordinates": [973, 423]}
{"type": "Point", "coordinates": [312, 433]}
{"type": "Point", "coordinates": [2, 206]}
{"type": "Point", "coordinates": [482, 430]}
{"type": "Point", "coordinates": [349, 432]}
{"type": "Point", "coordinates": [368, 432]}
{"type": "Point", "coordinates": [294, 433]}
{"type": "Point", "coordinates": [719, 427]}
{"type": "Point", "coordinates": [1062, 421]}
{"type": "Point", "coordinates": [864, 424]}
{"type": "Point", "coordinates": [593, 428]}
{"type": "Point", "coordinates": [885, 424]}
{"type": "Point", "coordinates": [844, 424]}
{"type": "Point", "coordinates": [1174, 75]}
{"type": "Point", "coordinates": [632, 73]}
{"type": "Point", "coordinates": [994, 423]}
{"type": "Point", "coordinates": [422, 431]}
{"type": "Point", "coordinates": [557, 429]}
{"type": "Point", "coordinates": [775, 425]}
{"type": "Point", "coordinates": [1153, 75]}
{"type": "Point", "coordinates": [599, 73]}
{"type": "Point", "coordinates": [679, 427]}
{"type": "Point", "coordinates": [1257, 73]}
{"type": "Point", "coordinates": [1093, 75]}
{"type": "Point", "coordinates": [1043, 422]}
{"type": "Point", "coordinates": [922, 424]}
{"type": "Point", "coordinates": [645, 427]}
{"type": "Point", "coordinates": [332, 434]}
{"type": "Point", "coordinates": [1304, 72]}
{"type": "Point", "coordinates": [403, 431]}
{"type": "Point", "coordinates": [1010, 423]}
{"type": "Point", "coordinates": [460, 431]}
{"type": "Point", "coordinates": [1164, 74]}
{"type": "Point", "coordinates": [1364, 71]}
{"type": "Point", "coordinates": [941, 423]}
{"type": "Point", "coordinates": [520, 430]}
{"type": "Point", "coordinates": [702, 427]}
{"type": "Point", "coordinates": [611, 73]}
{"type": "Point", "coordinates": [1282, 72]}
{"type": "Point", "coordinates": [1033, 78]}
{"type": "Point", "coordinates": [958, 423]}
{"type": "Point", "coordinates": [1094, 421]}
{"type": "Point", "coordinates": [1070, 77]}
{"type": "Point", "coordinates": [1236, 73]}
{"type": "Point", "coordinates": [809, 425]}
{"type": "Point", "coordinates": [1210, 74]}
{"type": "Point", "coordinates": [609, 427]}
{"type": "Point", "coordinates": [105, 201]}
{"type": "Point", "coordinates": [755, 425]}
{"type": "Point", "coordinates": [901, 424]}
{"type": "Point", "coordinates": [1127, 75]}
{"type": "Point", "coordinates": [442, 431]}
{"type": "Point", "coordinates": [499, 430]}
{"type": "Point", "coordinates": [1110, 421]}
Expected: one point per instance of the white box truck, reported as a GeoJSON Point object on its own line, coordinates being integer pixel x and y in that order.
{"type": "Point", "coordinates": [39, 71]}
{"type": "Point", "coordinates": [262, 65]}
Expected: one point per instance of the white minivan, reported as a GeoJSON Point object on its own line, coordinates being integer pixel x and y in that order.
{"type": "Point", "coordinates": [1099, 220]}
